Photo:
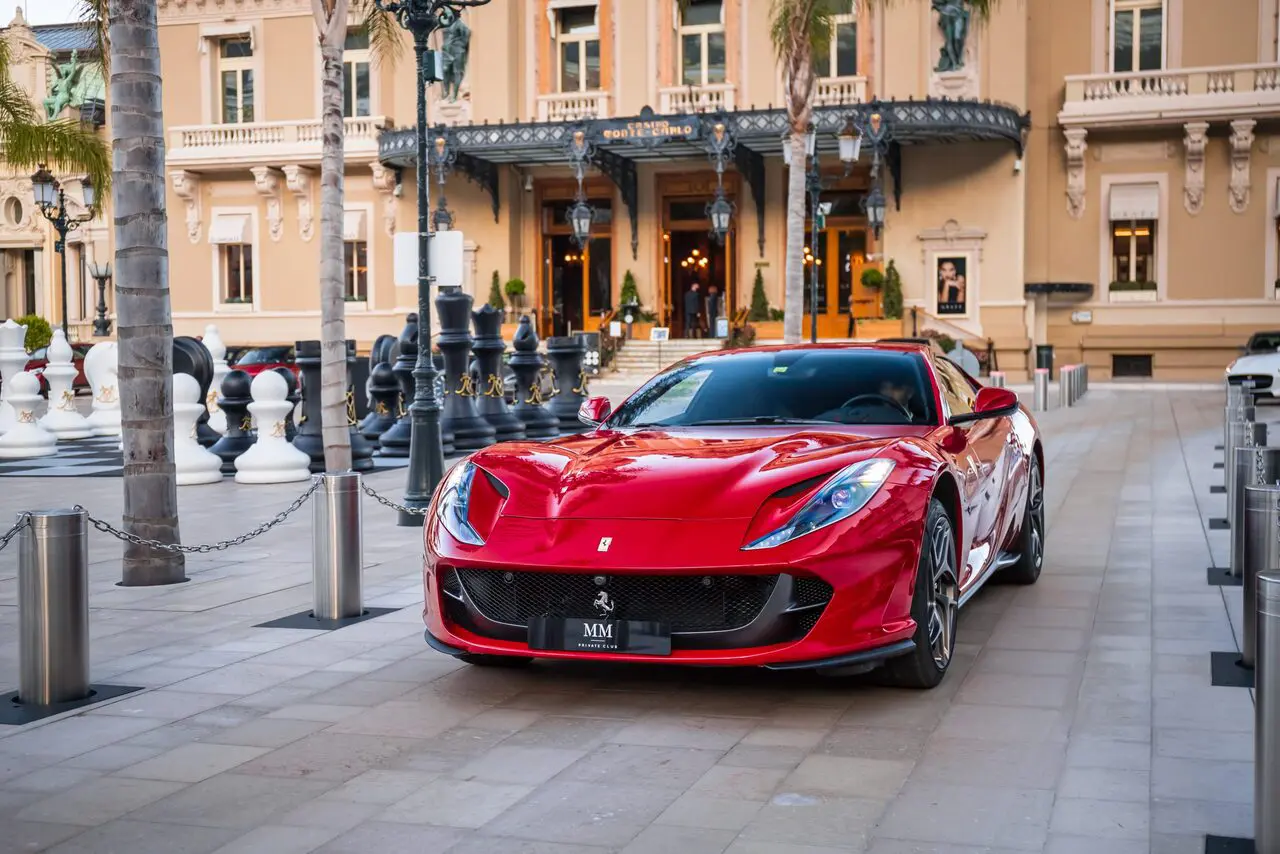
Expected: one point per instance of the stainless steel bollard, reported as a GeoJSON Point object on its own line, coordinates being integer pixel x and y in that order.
{"type": "Point", "coordinates": [1261, 555]}
{"type": "Point", "coordinates": [1255, 466]}
{"type": "Point", "coordinates": [1240, 434]}
{"type": "Point", "coordinates": [1266, 760]}
{"type": "Point", "coordinates": [338, 559]}
{"type": "Point", "coordinates": [53, 608]}
{"type": "Point", "coordinates": [997, 379]}
{"type": "Point", "coordinates": [1064, 386]}
{"type": "Point", "coordinates": [1084, 379]}
{"type": "Point", "coordinates": [1040, 388]}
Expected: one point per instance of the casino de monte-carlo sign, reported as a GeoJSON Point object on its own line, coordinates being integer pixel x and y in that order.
{"type": "Point", "coordinates": [648, 129]}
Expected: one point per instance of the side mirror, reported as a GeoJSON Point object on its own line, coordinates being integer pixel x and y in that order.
{"type": "Point", "coordinates": [991, 403]}
{"type": "Point", "coordinates": [594, 411]}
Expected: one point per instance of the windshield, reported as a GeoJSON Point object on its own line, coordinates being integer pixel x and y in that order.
{"type": "Point", "coordinates": [784, 387]}
{"type": "Point", "coordinates": [1264, 342]}
{"type": "Point", "coordinates": [266, 356]}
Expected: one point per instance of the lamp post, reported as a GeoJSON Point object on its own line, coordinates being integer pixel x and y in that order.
{"type": "Point", "coordinates": [51, 201]}
{"type": "Point", "coordinates": [442, 155]}
{"type": "Point", "coordinates": [426, 449]}
{"type": "Point", "coordinates": [101, 272]}
{"type": "Point", "coordinates": [720, 146]}
{"type": "Point", "coordinates": [580, 214]}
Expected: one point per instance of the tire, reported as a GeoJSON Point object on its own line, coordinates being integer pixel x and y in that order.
{"type": "Point", "coordinates": [934, 607]}
{"type": "Point", "coordinates": [1031, 537]}
{"type": "Point", "coordinates": [480, 660]}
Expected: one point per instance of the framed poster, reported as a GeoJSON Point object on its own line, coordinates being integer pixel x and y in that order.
{"type": "Point", "coordinates": [952, 275]}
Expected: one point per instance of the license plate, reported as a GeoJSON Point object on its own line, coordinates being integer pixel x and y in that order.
{"type": "Point", "coordinates": [584, 634]}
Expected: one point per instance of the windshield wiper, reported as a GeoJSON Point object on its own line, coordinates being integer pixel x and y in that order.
{"type": "Point", "coordinates": [758, 419]}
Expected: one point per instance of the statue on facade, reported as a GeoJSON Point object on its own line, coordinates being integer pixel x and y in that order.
{"type": "Point", "coordinates": [953, 20]}
{"type": "Point", "coordinates": [455, 45]}
{"type": "Point", "coordinates": [66, 76]}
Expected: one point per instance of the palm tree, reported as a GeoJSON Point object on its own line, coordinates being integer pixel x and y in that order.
{"type": "Point", "coordinates": [144, 320]}
{"type": "Point", "coordinates": [801, 34]}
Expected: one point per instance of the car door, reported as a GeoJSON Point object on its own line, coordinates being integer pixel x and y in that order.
{"type": "Point", "coordinates": [979, 461]}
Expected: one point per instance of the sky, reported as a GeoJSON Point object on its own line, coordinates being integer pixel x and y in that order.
{"type": "Point", "coordinates": [41, 11]}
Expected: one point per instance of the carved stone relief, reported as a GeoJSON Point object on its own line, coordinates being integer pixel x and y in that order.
{"type": "Point", "coordinates": [384, 181]}
{"type": "Point", "coordinates": [298, 179]}
{"type": "Point", "coordinates": [1075, 149]}
{"type": "Point", "coordinates": [1241, 148]}
{"type": "Point", "coordinates": [187, 187]}
{"type": "Point", "coordinates": [1195, 140]}
{"type": "Point", "coordinates": [267, 182]}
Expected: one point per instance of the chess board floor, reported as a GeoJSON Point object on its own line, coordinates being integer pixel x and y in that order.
{"type": "Point", "coordinates": [101, 457]}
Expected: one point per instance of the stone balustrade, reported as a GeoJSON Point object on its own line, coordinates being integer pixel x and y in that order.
{"type": "Point", "coordinates": [247, 143]}
{"type": "Point", "coordinates": [1171, 96]}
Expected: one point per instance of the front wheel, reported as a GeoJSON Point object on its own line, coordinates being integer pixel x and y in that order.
{"type": "Point", "coordinates": [935, 607]}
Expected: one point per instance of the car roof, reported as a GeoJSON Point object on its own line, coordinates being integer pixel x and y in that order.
{"type": "Point", "coordinates": [869, 347]}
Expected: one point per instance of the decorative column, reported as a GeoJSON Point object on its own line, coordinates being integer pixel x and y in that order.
{"type": "Point", "coordinates": [461, 416]}
{"type": "Point", "coordinates": [489, 348]}
{"type": "Point", "coordinates": [570, 381]}
{"type": "Point", "coordinates": [1196, 136]}
{"type": "Point", "coordinates": [527, 364]}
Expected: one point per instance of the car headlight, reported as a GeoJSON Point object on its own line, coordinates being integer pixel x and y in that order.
{"type": "Point", "coordinates": [454, 506]}
{"type": "Point", "coordinates": [844, 494]}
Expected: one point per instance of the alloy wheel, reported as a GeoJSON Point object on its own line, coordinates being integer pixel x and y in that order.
{"type": "Point", "coordinates": [945, 593]}
{"type": "Point", "coordinates": [1035, 516]}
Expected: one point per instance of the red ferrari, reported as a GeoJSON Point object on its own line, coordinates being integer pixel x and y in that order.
{"type": "Point", "coordinates": [828, 507]}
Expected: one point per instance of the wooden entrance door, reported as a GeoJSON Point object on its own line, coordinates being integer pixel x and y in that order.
{"type": "Point", "coordinates": [691, 255]}
{"type": "Point", "coordinates": [840, 261]}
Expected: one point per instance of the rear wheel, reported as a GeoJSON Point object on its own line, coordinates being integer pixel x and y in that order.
{"type": "Point", "coordinates": [935, 607]}
{"type": "Point", "coordinates": [1031, 538]}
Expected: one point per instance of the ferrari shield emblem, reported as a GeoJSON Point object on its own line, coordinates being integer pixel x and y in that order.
{"type": "Point", "coordinates": [605, 542]}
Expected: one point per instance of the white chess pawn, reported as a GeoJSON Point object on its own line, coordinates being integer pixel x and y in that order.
{"type": "Point", "coordinates": [271, 459]}
{"type": "Point", "coordinates": [63, 420]}
{"type": "Point", "coordinates": [192, 461]}
{"type": "Point", "coordinates": [101, 367]}
{"type": "Point", "coordinates": [13, 361]}
{"type": "Point", "coordinates": [218, 350]}
{"type": "Point", "coordinates": [27, 438]}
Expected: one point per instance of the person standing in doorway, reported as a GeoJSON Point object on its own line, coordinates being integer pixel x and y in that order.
{"type": "Point", "coordinates": [713, 309]}
{"type": "Point", "coordinates": [692, 312]}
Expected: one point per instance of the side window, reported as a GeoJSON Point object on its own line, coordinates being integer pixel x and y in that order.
{"type": "Point", "coordinates": [956, 390]}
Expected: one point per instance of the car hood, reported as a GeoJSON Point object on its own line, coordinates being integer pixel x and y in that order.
{"type": "Point", "coordinates": [676, 474]}
{"type": "Point", "coordinates": [1256, 363]}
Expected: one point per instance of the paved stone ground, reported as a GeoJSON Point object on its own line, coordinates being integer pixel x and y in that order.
{"type": "Point", "coordinates": [1078, 716]}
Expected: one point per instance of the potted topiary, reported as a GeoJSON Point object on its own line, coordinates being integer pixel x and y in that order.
{"type": "Point", "coordinates": [495, 293]}
{"type": "Point", "coordinates": [514, 289]}
{"type": "Point", "coordinates": [759, 302]}
{"type": "Point", "coordinates": [891, 293]}
{"type": "Point", "coordinates": [39, 332]}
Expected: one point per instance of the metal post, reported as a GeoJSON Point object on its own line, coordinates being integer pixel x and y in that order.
{"type": "Point", "coordinates": [1255, 466]}
{"type": "Point", "coordinates": [1261, 554]}
{"type": "Point", "coordinates": [997, 379]}
{"type": "Point", "coordinates": [1064, 386]}
{"type": "Point", "coordinates": [1266, 760]}
{"type": "Point", "coordinates": [53, 608]}
{"type": "Point", "coordinates": [1040, 399]}
{"type": "Point", "coordinates": [339, 554]}
{"type": "Point", "coordinates": [1240, 434]}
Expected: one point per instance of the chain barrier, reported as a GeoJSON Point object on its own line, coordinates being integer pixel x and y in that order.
{"type": "Point", "coordinates": [204, 548]}
{"type": "Point", "coordinates": [23, 521]}
{"type": "Point", "coordinates": [387, 502]}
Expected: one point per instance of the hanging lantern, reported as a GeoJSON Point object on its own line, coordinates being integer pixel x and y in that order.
{"type": "Point", "coordinates": [45, 188]}
{"type": "Point", "coordinates": [720, 212]}
{"type": "Point", "coordinates": [874, 205]}
{"type": "Point", "coordinates": [580, 216]}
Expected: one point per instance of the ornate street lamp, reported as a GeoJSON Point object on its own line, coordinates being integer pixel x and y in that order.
{"type": "Point", "coordinates": [580, 214]}
{"type": "Point", "coordinates": [443, 155]}
{"type": "Point", "coordinates": [720, 146]}
{"type": "Point", "coordinates": [580, 217]}
{"type": "Point", "coordinates": [101, 272]}
{"type": "Point", "coordinates": [873, 205]}
{"type": "Point", "coordinates": [426, 449]}
{"type": "Point", "coordinates": [51, 201]}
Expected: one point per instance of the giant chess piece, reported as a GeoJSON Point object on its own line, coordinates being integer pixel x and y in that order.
{"type": "Point", "coordinates": [380, 354]}
{"type": "Point", "coordinates": [386, 401]}
{"type": "Point", "coordinates": [27, 438]}
{"type": "Point", "coordinates": [395, 442]}
{"type": "Point", "coordinates": [310, 438]}
{"type": "Point", "coordinates": [63, 419]}
{"type": "Point", "coordinates": [101, 366]}
{"type": "Point", "coordinates": [294, 397]}
{"type": "Point", "coordinates": [13, 361]}
{"type": "Point", "coordinates": [271, 459]}
{"type": "Point", "coordinates": [190, 357]}
{"type": "Point", "coordinates": [193, 463]}
{"type": "Point", "coordinates": [361, 448]}
{"type": "Point", "coordinates": [234, 402]}
{"type": "Point", "coordinates": [460, 416]}
{"type": "Point", "coordinates": [218, 353]}
{"type": "Point", "coordinates": [569, 380]}
{"type": "Point", "coordinates": [527, 364]}
{"type": "Point", "coordinates": [489, 348]}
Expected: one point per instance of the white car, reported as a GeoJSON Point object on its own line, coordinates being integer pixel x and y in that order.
{"type": "Point", "coordinates": [1260, 363]}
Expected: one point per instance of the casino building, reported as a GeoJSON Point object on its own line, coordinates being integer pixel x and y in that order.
{"type": "Point", "coordinates": [1086, 175]}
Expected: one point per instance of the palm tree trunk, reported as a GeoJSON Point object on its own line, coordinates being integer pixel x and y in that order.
{"type": "Point", "coordinates": [793, 305]}
{"type": "Point", "coordinates": [332, 24]}
{"type": "Point", "coordinates": [144, 323]}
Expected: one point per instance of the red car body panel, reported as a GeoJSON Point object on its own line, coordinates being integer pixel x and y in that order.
{"type": "Point", "coordinates": [684, 501]}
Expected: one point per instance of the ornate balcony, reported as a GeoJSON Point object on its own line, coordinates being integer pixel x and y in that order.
{"type": "Point", "coordinates": [835, 91]}
{"type": "Point", "coordinates": [573, 106]}
{"type": "Point", "coordinates": [235, 146]}
{"type": "Point", "coordinates": [682, 100]}
{"type": "Point", "coordinates": [1171, 97]}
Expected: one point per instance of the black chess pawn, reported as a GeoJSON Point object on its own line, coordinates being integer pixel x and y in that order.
{"type": "Point", "coordinates": [527, 364]}
{"type": "Point", "coordinates": [234, 400]}
{"type": "Point", "coordinates": [380, 353]}
{"type": "Point", "coordinates": [461, 416]}
{"type": "Point", "coordinates": [361, 448]}
{"type": "Point", "coordinates": [394, 441]}
{"type": "Point", "coordinates": [489, 348]}
{"type": "Point", "coordinates": [566, 354]}
{"type": "Point", "coordinates": [385, 389]}
{"type": "Point", "coordinates": [294, 397]}
{"type": "Point", "coordinates": [309, 439]}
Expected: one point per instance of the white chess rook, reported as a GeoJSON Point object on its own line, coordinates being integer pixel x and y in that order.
{"type": "Point", "coordinates": [27, 438]}
{"type": "Point", "coordinates": [218, 350]}
{"type": "Point", "coordinates": [101, 366]}
{"type": "Point", "coordinates": [63, 420]}
{"type": "Point", "coordinates": [271, 459]}
{"type": "Point", "coordinates": [192, 461]}
{"type": "Point", "coordinates": [13, 361]}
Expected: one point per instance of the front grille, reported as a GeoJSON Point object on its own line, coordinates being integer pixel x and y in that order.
{"type": "Point", "coordinates": [1260, 381]}
{"type": "Point", "coordinates": [688, 603]}
{"type": "Point", "coordinates": [812, 591]}
{"type": "Point", "coordinates": [450, 584]}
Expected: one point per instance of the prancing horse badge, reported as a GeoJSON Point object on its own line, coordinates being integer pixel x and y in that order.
{"type": "Point", "coordinates": [605, 542]}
